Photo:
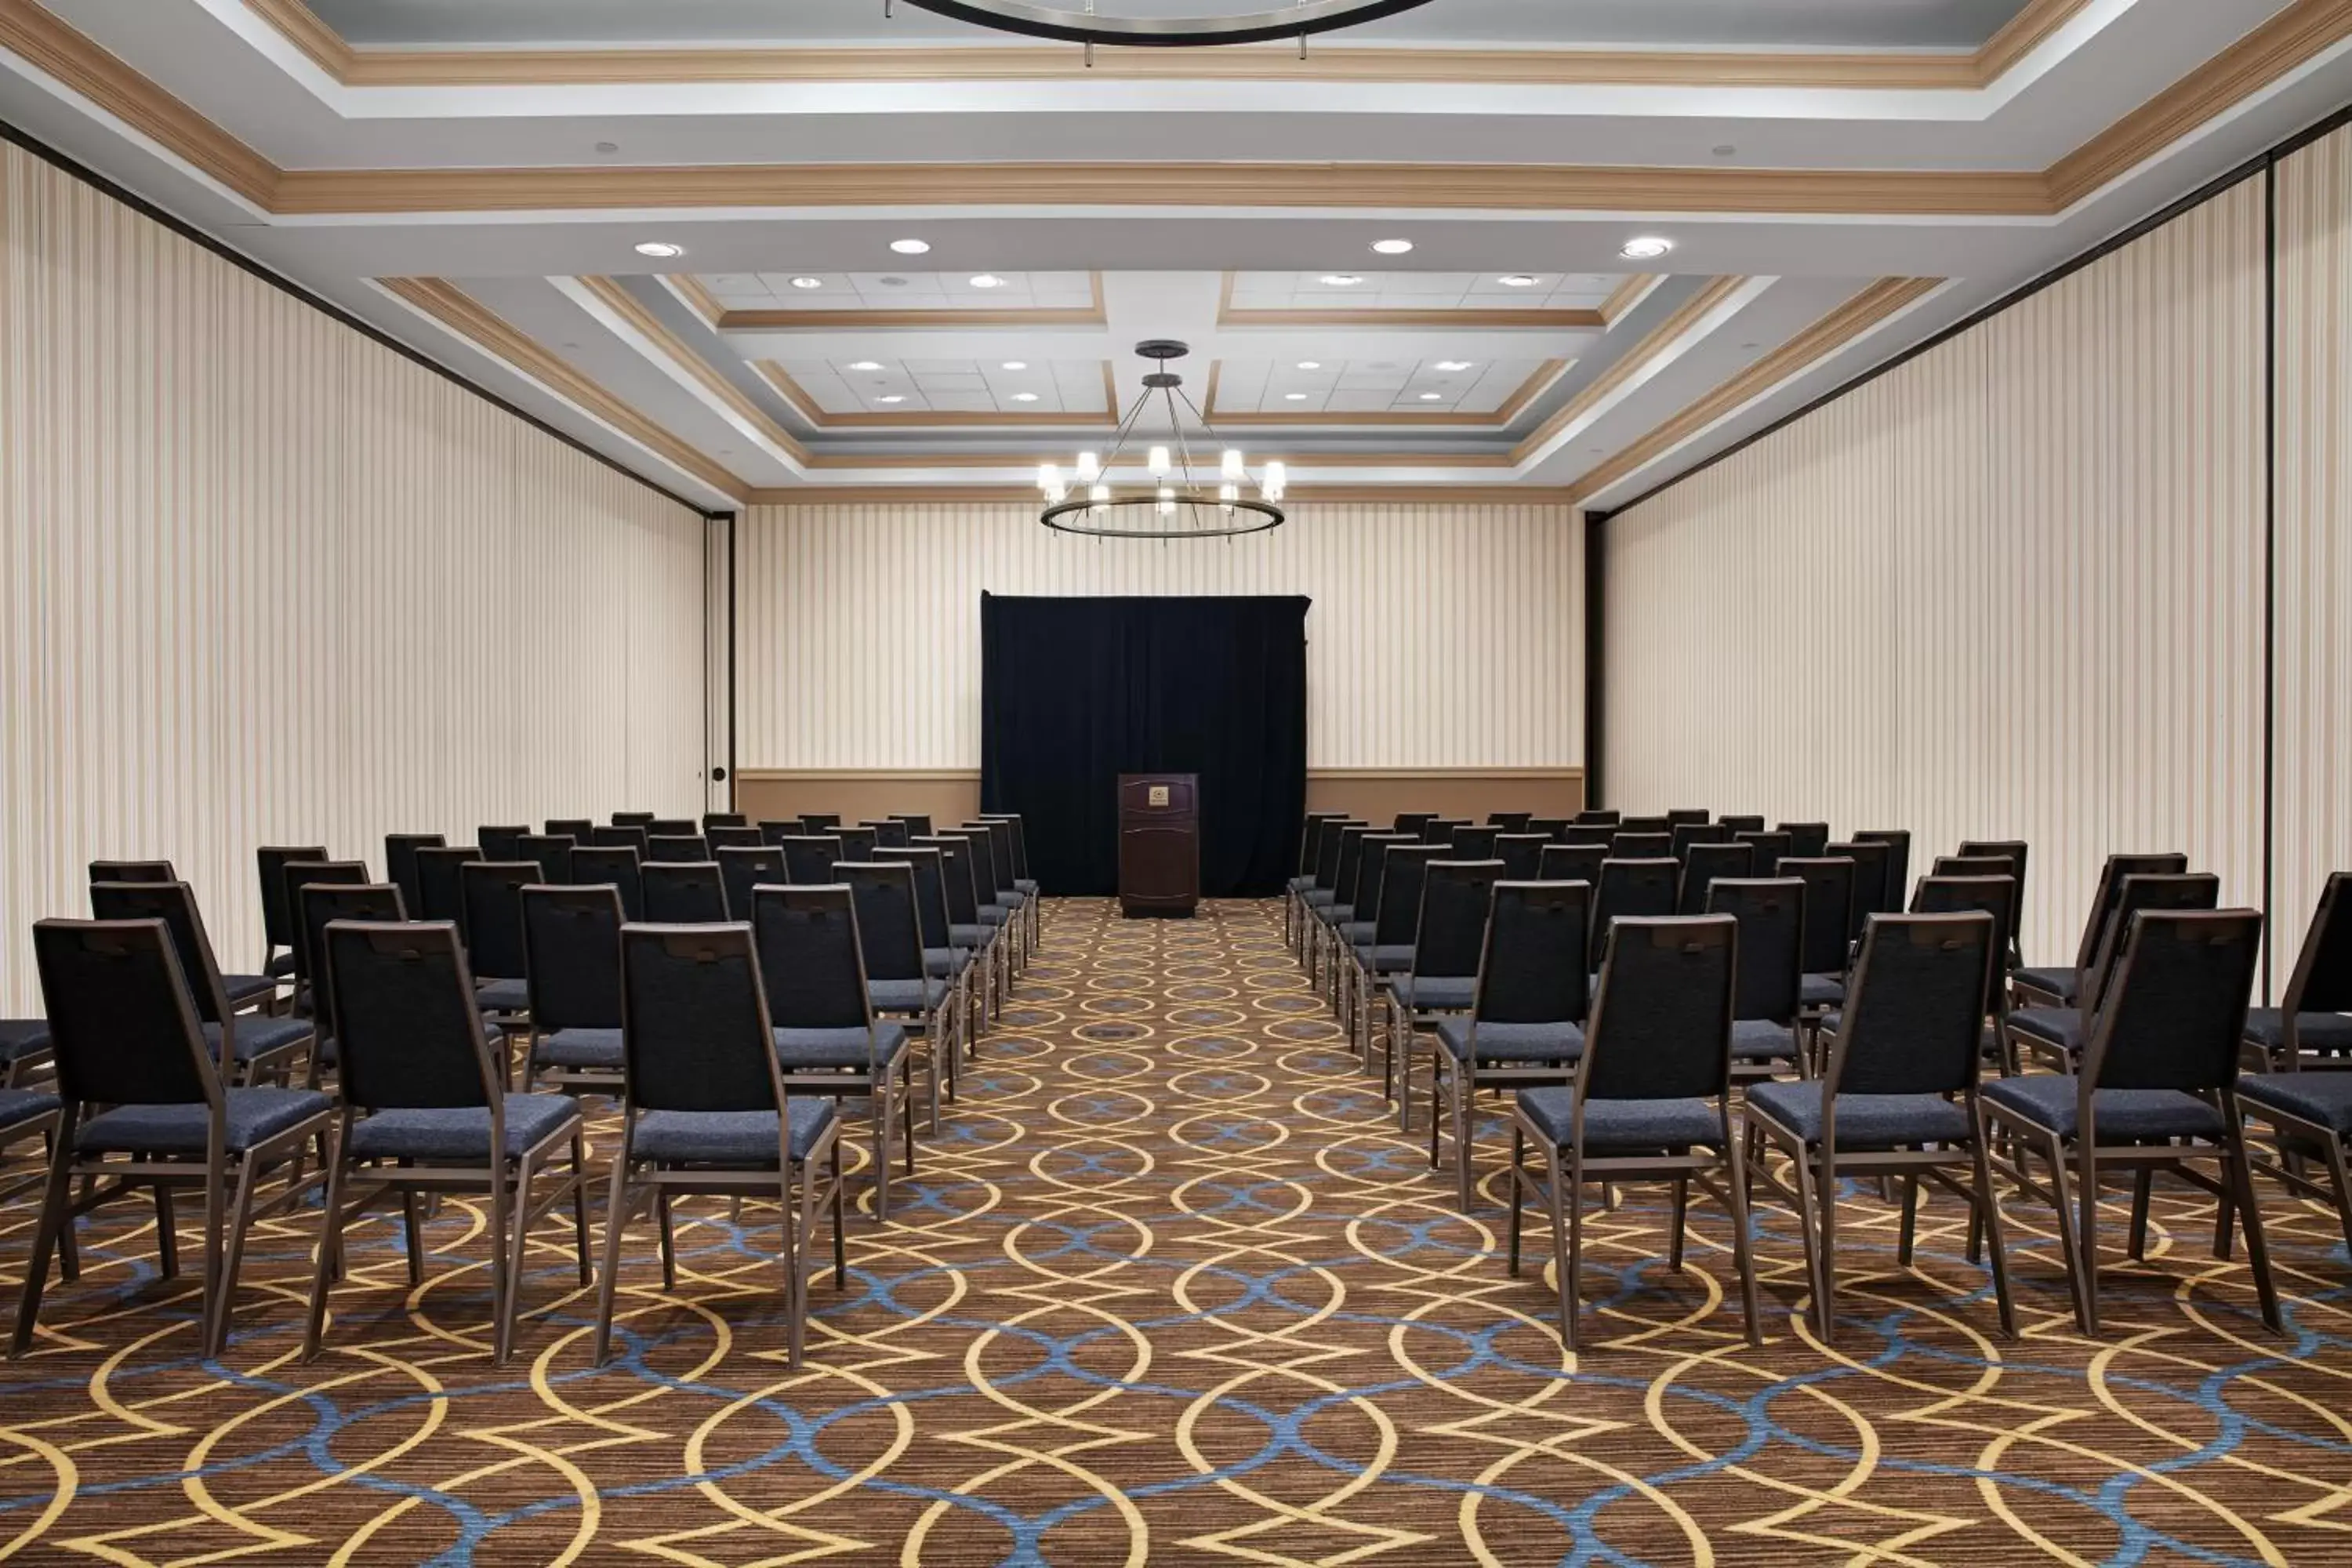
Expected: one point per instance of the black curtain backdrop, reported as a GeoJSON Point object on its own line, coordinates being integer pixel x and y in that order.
{"type": "Point", "coordinates": [1074, 693]}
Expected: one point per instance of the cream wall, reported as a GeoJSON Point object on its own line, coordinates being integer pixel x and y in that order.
{"type": "Point", "coordinates": [263, 581]}
{"type": "Point", "coordinates": [1442, 637]}
{"type": "Point", "coordinates": [2013, 588]}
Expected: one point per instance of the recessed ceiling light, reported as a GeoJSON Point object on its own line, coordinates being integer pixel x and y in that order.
{"type": "Point", "coordinates": [865, 364]}
{"type": "Point", "coordinates": [1024, 398]}
{"type": "Point", "coordinates": [1341, 279]}
{"type": "Point", "coordinates": [661, 249]}
{"type": "Point", "coordinates": [1392, 246]}
{"type": "Point", "coordinates": [1016, 365]}
{"type": "Point", "coordinates": [911, 246]}
{"type": "Point", "coordinates": [1645, 247]}
{"type": "Point", "coordinates": [988, 280]}
{"type": "Point", "coordinates": [1294, 398]}
{"type": "Point", "coordinates": [1517, 280]}
{"type": "Point", "coordinates": [1433, 398]}
{"type": "Point", "coordinates": [1454, 364]}
{"type": "Point", "coordinates": [1310, 365]}
{"type": "Point", "coordinates": [893, 398]}
{"type": "Point", "coordinates": [808, 282]}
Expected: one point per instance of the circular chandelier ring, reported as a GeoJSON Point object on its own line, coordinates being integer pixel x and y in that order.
{"type": "Point", "coordinates": [1249, 517]}
{"type": "Point", "coordinates": [1059, 22]}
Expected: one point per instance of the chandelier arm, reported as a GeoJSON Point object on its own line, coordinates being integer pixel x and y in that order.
{"type": "Point", "coordinates": [1183, 448]}
{"type": "Point", "coordinates": [1210, 429]}
{"type": "Point", "coordinates": [1126, 428]}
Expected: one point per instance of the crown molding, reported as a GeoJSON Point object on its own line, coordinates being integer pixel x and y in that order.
{"type": "Point", "coordinates": [1094, 314]}
{"type": "Point", "coordinates": [1659, 339]}
{"type": "Point", "coordinates": [918, 493]}
{"type": "Point", "coordinates": [645, 325]}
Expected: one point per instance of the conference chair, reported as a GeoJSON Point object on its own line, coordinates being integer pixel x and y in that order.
{"type": "Point", "coordinates": [1524, 1024]}
{"type": "Point", "coordinates": [400, 863]}
{"type": "Point", "coordinates": [2013, 852]}
{"type": "Point", "coordinates": [683, 892]}
{"type": "Point", "coordinates": [1012, 878]}
{"type": "Point", "coordinates": [1440, 829]}
{"type": "Point", "coordinates": [1995, 897]}
{"type": "Point", "coordinates": [502, 844]}
{"type": "Point", "coordinates": [808, 857]}
{"type": "Point", "coordinates": [889, 834]}
{"type": "Point", "coordinates": [575, 828]}
{"type": "Point", "coordinates": [1771, 848]}
{"type": "Point", "coordinates": [673, 827]}
{"type": "Point", "coordinates": [1294, 891]}
{"type": "Point", "coordinates": [1553, 829]}
{"type": "Point", "coordinates": [1415, 823]}
{"type": "Point", "coordinates": [966, 931]}
{"type": "Point", "coordinates": [1733, 825]}
{"type": "Point", "coordinates": [918, 824]}
{"type": "Point", "coordinates": [743, 868]}
{"type": "Point", "coordinates": [571, 949]}
{"type": "Point", "coordinates": [1521, 855]}
{"type": "Point", "coordinates": [1473, 843]}
{"type": "Point", "coordinates": [1897, 1097]}
{"type": "Point", "coordinates": [440, 890]}
{"type": "Point", "coordinates": [132, 871]}
{"type": "Point", "coordinates": [1572, 863]}
{"type": "Point", "coordinates": [1331, 913]}
{"type": "Point", "coordinates": [297, 875]}
{"type": "Point", "coordinates": [828, 1041]}
{"type": "Point", "coordinates": [1702, 863]}
{"type": "Point", "coordinates": [1386, 948]}
{"type": "Point", "coordinates": [675, 848]}
{"type": "Point", "coordinates": [249, 1046]}
{"type": "Point", "coordinates": [622, 836]}
{"type": "Point", "coordinates": [2157, 1092]}
{"type": "Point", "coordinates": [142, 1104]}
{"type": "Point", "coordinates": [943, 958]}
{"type": "Point", "coordinates": [1765, 1010]}
{"type": "Point", "coordinates": [1898, 863]}
{"type": "Point", "coordinates": [277, 914]}
{"type": "Point", "coordinates": [2062, 987]}
{"type": "Point", "coordinates": [1807, 840]}
{"type": "Point", "coordinates": [705, 1110]}
{"type": "Point", "coordinates": [1641, 888]}
{"type": "Point", "coordinates": [1658, 823]}
{"type": "Point", "coordinates": [24, 1114]}
{"type": "Point", "coordinates": [317, 906]}
{"type": "Point", "coordinates": [1596, 815]}
{"type": "Point", "coordinates": [493, 938]}
{"type": "Point", "coordinates": [422, 1107]}
{"type": "Point", "coordinates": [632, 818]}
{"type": "Point", "coordinates": [1591, 836]}
{"type": "Point", "coordinates": [711, 820]}
{"type": "Point", "coordinates": [1363, 914]}
{"type": "Point", "coordinates": [992, 870]}
{"type": "Point", "coordinates": [551, 854]}
{"type": "Point", "coordinates": [2310, 1026]}
{"type": "Point", "coordinates": [24, 1049]}
{"type": "Point", "coordinates": [817, 822]}
{"type": "Point", "coordinates": [612, 866]}
{"type": "Point", "coordinates": [1510, 821]}
{"type": "Point", "coordinates": [1829, 924]}
{"type": "Point", "coordinates": [1442, 978]}
{"type": "Point", "coordinates": [856, 843]}
{"type": "Point", "coordinates": [2055, 1036]}
{"type": "Point", "coordinates": [724, 837]}
{"type": "Point", "coordinates": [1687, 834]}
{"type": "Point", "coordinates": [1641, 846]}
{"type": "Point", "coordinates": [1325, 890]}
{"type": "Point", "coordinates": [1651, 1099]}
{"type": "Point", "coordinates": [898, 981]}
{"type": "Point", "coordinates": [1688, 817]}
{"type": "Point", "coordinates": [1871, 885]}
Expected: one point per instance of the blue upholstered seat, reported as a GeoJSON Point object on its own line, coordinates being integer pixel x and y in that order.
{"type": "Point", "coordinates": [593, 1048]}
{"type": "Point", "coordinates": [907, 996]}
{"type": "Point", "coordinates": [1320, 898]}
{"type": "Point", "coordinates": [503, 995]}
{"type": "Point", "coordinates": [839, 1047]}
{"type": "Point", "coordinates": [2329, 1032]}
{"type": "Point", "coordinates": [1821, 991]}
{"type": "Point", "coordinates": [19, 1106]}
{"type": "Point", "coordinates": [22, 1038]}
{"type": "Point", "coordinates": [2325, 1098]}
{"type": "Point", "coordinates": [242, 988]}
{"type": "Point", "coordinates": [1383, 959]}
{"type": "Point", "coordinates": [282, 967]}
{"type": "Point", "coordinates": [945, 962]}
{"type": "Point", "coordinates": [994, 914]}
{"type": "Point", "coordinates": [1336, 915]}
{"type": "Point", "coordinates": [1512, 1042]}
{"type": "Point", "coordinates": [2047, 1100]}
{"type": "Point", "coordinates": [968, 938]}
{"type": "Point", "coordinates": [1025, 886]}
{"type": "Point", "coordinates": [2056, 1026]}
{"type": "Point", "coordinates": [1300, 884]}
{"type": "Point", "coordinates": [2060, 982]}
{"type": "Point", "coordinates": [1615, 1125]}
{"type": "Point", "coordinates": [254, 1116]}
{"type": "Point", "coordinates": [1436, 993]}
{"type": "Point", "coordinates": [258, 1036]}
{"type": "Point", "coordinates": [1863, 1120]}
{"type": "Point", "coordinates": [461, 1132]}
{"type": "Point", "coordinates": [1762, 1040]}
{"type": "Point", "coordinates": [730, 1137]}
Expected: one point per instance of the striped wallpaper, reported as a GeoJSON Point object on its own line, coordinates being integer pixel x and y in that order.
{"type": "Point", "coordinates": [1442, 636]}
{"type": "Point", "coordinates": [2013, 588]}
{"type": "Point", "coordinates": [263, 581]}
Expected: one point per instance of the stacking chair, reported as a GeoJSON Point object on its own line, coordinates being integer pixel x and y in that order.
{"type": "Point", "coordinates": [1871, 885]}
{"type": "Point", "coordinates": [1521, 855]}
{"type": "Point", "coordinates": [1293, 893]}
{"type": "Point", "coordinates": [24, 1049]}
{"type": "Point", "coordinates": [1737, 825]}
{"type": "Point", "coordinates": [1764, 1006]}
{"type": "Point", "coordinates": [616, 867]}
{"type": "Point", "coordinates": [2157, 1090]}
{"type": "Point", "coordinates": [683, 892]}
{"type": "Point", "coordinates": [976, 863]}
{"type": "Point", "coordinates": [1510, 821]}
{"type": "Point", "coordinates": [1652, 1090]}
{"type": "Point", "coordinates": [898, 981]}
{"type": "Point", "coordinates": [1807, 840]}
{"type": "Point", "coordinates": [1702, 864]}
{"type": "Point", "coordinates": [1413, 822]}
{"type": "Point", "coordinates": [1591, 835]}
{"type": "Point", "coordinates": [1898, 863]}
{"type": "Point", "coordinates": [1363, 912]}
{"type": "Point", "coordinates": [675, 848]}
{"type": "Point", "coordinates": [1324, 890]}
{"type": "Point", "coordinates": [1642, 846]}
{"type": "Point", "coordinates": [502, 844]}
{"type": "Point", "coordinates": [1012, 876]}
{"type": "Point", "coordinates": [571, 947]}
{"type": "Point", "coordinates": [711, 820]}
{"type": "Point", "coordinates": [808, 858]}
{"type": "Point", "coordinates": [1386, 948]}
{"type": "Point", "coordinates": [943, 958]}
{"type": "Point", "coordinates": [828, 1041]}
{"type": "Point", "coordinates": [1442, 979]}
{"type": "Point", "coordinates": [887, 834]}
{"type": "Point", "coordinates": [918, 824]}
{"type": "Point", "coordinates": [2310, 1026]}
{"type": "Point", "coordinates": [318, 905]}
{"type": "Point", "coordinates": [723, 837]}
{"type": "Point", "coordinates": [1647, 825]}
{"type": "Point", "coordinates": [1340, 909]}
{"type": "Point", "coordinates": [1473, 843]}
{"type": "Point", "coordinates": [127, 1035]}
{"type": "Point", "coordinates": [400, 863]}
{"type": "Point", "coordinates": [2013, 852]}
{"type": "Point", "coordinates": [966, 931]}
{"type": "Point", "coordinates": [1524, 1026]}
{"type": "Point", "coordinates": [493, 934]}
{"type": "Point", "coordinates": [575, 828]}
{"type": "Point", "coordinates": [818, 823]}
{"type": "Point", "coordinates": [2062, 987]}
{"type": "Point", "coordinates": [1688, 817]}
{"type": "Point", "coordinates": [440, 892]}
{"type": "Point", "coordinates": [1995, 895]}
{"type": "Point", "coordinates": [2055, 1036]}
{"type": "Point", "coordinates": [1897, 1096]}
{"type": "Point", "coordinates": [1440, 829]}
{"type": "Point", "coordinates": [36, 1113]}
{"type": "Point", "coordinates": [250, 1046]}
{"type": "Point", "coordinates": [1687, 834]}
{"type": "Point", "coordinates": [632, 818]}
{"type": "Point", "coordinates": [1596, 815]}
{"type": "Point", "coordinates": [550, 854]}
{"type": "Point", "coordinates": [1771, 848]}
{"type": "Point", "coordinates": [992, 870]}
{"type": "Point", "coordinates": [422, 1107]}
{"type": "Point", "coordinates": [743, 868]}
{"type": "Point", "coordinates": [1643, 887]}
{"type": "Point", "coordinates": [1572, 863]}
{"type": "Point", "coordinates": [856, 843]}
{"type": "Point", "coordinates": [673, 827]}
{"type": "Point", "coordinates": [1553, 829]}
{"type": "Point", "coordinates": [132, 871]}
{"type": "Point", "coordinates": [277, 914]}
{"type": "Point", "coordinates": [1829, 924]}
{"type": "Point", "coordinates": [621, 836]}
{"type": "Point", "coordinates": [705, 1110]}
{"type": "Point", "coordinates": [776, 832]}
{"type": "Point", "coordinates": [297, 875]}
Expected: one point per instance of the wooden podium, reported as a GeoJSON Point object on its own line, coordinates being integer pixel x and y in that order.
{"type": "Point", "coordinates": [1158, 844]}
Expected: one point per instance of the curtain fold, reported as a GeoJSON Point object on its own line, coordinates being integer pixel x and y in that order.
{"type": "Point", "coordinates": [1076, 691]}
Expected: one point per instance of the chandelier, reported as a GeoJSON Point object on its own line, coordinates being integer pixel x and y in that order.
{"type": "Point", "coordinates": [1169, 502]}
{"type": "Point", "coordinates": [1081, 21]}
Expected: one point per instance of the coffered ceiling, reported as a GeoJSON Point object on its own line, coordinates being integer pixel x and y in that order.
{"type": "Point", "coordinates": [1836, 179]}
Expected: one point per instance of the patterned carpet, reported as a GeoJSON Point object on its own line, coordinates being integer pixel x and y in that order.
{"type": "Point", "coordinates": [1170, 1287]}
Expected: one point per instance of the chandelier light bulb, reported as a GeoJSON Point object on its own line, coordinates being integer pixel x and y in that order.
{"type": "Point", "coordinates": [1049, 479]}
{"type": "Point", "coordinates": [1158, 465]}
{"type": "Point", "coordinates": [1229, 493]}
{"type": "Point", "coordinates": [1167, 500]}
{"type": "Point", "coordinates": [1089, 468]}
{"type": "Point", "coordinates": [1100, 496]}
{"type": "Point", "coordinates": [1277, 475]}
{"type": "Point", "coordinates": [1232, 468]}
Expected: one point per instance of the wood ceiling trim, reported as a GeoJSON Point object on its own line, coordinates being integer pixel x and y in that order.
{"type": "Point", "coordinates": [1031, 461]}
{"type": "Point", "coordinates": [1660, 338]}
{"type": "Point", "coordinates": [477, 324]}
{"type": "Point", "coordinates": [1093, 315]}
{"type": "Point", "coordinates": [1381, 316]}
{"type": "Point", "coordinates": [1524, 394]}
{"type": "Point", "coordinates": [1629, 294]}
{"type": "Point", "coordinates": [1840, 327]}
{"type": "Point", "coordinates": [698, 298]}
{"type": "Point", "coordinates": [793, 393]}
{"type": "Point", "coordinates": [929, 494]}
{"type": "Point", "coordinates": [1948, 70]}
{"type": "Point", "coordinates": [622, 303]}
